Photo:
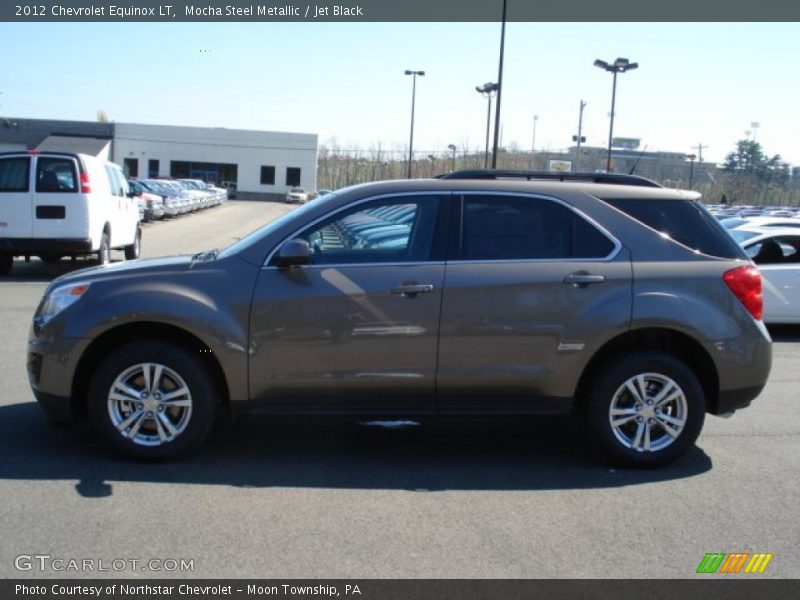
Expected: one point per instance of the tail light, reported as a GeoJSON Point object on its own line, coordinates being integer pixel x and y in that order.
{"type": "Point", "coordinates": [745, 283]}
{"type": "Point", "coordinates": [85, 185]}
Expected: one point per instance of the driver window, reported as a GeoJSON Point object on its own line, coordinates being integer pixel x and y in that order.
{"type": "Point", "coordinates": [382, 231]}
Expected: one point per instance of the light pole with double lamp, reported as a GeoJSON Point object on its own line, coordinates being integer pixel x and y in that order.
{"type": "Point", "coordinates": [487, 90]}
{"type": "Point", "coordinates": [618, 66]}
{"type": "Point", "coordinates": [452, 148]}
{"type": "Point", "coordinates": [413, 100]}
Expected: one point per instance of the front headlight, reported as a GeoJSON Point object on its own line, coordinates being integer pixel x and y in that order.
{"type": "Point", "coordinates": [60, 298]}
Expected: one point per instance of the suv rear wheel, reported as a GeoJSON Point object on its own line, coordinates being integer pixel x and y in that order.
{"type": "Point", "coordinates": [152, 399]}
{"type": "Point", "coordinates": [645, 409]}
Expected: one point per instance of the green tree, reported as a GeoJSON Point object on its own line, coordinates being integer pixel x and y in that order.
{"type": "Point", "coordinates": [749, 159]}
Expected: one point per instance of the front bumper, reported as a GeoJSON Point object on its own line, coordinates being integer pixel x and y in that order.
{"type": "Point", "coordinates": [51, 370]}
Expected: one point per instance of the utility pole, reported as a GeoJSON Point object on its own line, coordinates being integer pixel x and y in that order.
{"type": "Point", "coordinates": [699, 149]}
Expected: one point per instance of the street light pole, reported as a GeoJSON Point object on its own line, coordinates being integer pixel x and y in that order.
{"type": "Point", "coordinates": [499, 87]}
{"type": "Point", "coordinates": [691, 158]}
{"type": "Point", "coordinates": [618, 66]}
{"type": "Point", "coordinates": [580, 138]}
{"type": "Point", "coordinates": [487, 90]}
{"type": "Point", "coordinates": [533, 143]}
{"type": "Point", "coordinates": [413, 101]}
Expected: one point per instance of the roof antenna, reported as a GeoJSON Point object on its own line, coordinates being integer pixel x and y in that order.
{"type": "Point", "coordinates": [636, 164]}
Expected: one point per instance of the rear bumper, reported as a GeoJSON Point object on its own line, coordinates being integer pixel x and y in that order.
{"type": "Point", "coordinates": [35, 246]}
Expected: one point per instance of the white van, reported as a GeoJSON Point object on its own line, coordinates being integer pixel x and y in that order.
{"type": "Point", "coordinates": [55, 204]}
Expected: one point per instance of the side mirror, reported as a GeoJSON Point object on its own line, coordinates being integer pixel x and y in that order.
{"type": "Point", "coordinates": [294, 253]}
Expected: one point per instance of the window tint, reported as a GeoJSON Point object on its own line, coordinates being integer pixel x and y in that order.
{"type": "Point", "coordinates": [131, 167]}
{"type": "Point", "coordinates": [267, 175]}
{"type": "Point", "coordinates": [56, 175]}
{"type": "Point", "coordinates": [683, 221]}
{"type": "Point", "coordinates": [14, 174]}
{"type": "Point", "coordinates": [292, 176]}
{"type": "Point", "coordinates": [388, 230]}
{"type": "Point", "coordinates": [519, 228]}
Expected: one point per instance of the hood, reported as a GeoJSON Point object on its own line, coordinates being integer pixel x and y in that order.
{"type": "Point", "coordinates": [138, 267]}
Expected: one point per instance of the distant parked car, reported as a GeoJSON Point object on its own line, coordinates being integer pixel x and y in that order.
{"type": "Point", "coordinates": [776, 251]}
{"type": "Point", "coordinates": [152, 205]}
{"type": "Point", "coordinates": [230, 186]}
{"type": "Point", "coordinates": [296, 194]}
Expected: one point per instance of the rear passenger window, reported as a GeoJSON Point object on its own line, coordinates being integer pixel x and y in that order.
{"type": "Point", "coordinates": [14, 174]}
{"type": "Point", "coordinates": [56, 175]}
{"type": "Point", "coordinates": [686, 222]}
{"type": "Point", "coordinates": [519, 228]}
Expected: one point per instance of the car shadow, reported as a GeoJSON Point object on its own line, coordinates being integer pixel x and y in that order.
{"type": "Point", "coordinates": [38, 271]}
{"type": "Point", "coordinates": [546, 453]}
{"type": "Point", "coordinates": [784, 333]}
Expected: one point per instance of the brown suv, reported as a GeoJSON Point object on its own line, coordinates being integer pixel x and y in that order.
{"type": "Point", "coordinates": [480, 293]}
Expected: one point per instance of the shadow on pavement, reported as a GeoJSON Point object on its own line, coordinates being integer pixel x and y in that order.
{"type": "Point", "coordinates": [784, 333]}
{"type": "Point", "coordinates": [547, 453]}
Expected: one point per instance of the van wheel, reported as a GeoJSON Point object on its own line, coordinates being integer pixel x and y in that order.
{"type": "Point", "coordinates": [132, 252]}
{"type": "Point", "coordinates": [152, 400]}
{"type": "Point", "coordinates": [644, 409]}
{"type": "Point", "coordinates": [6, 262]}
{"type": "Point", "coordinates": [104, 252]}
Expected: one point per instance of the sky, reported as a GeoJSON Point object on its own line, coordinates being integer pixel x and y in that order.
{"type": "Point", "coordinates": [697, 83]}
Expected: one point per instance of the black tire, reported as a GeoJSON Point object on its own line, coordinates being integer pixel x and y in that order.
{"type": "Point", "coordinates": [148, 436]}
{"type": "Point", "coordinates": [104, 251]}
{"type": "Point", "coordinates": [50, 259]}
{"type": "Point", "coordinates": [635, 430]}
{"type": "Point", "coordinates": [6, 262]}
{"type": "Point", "coordinates": [133, 251]}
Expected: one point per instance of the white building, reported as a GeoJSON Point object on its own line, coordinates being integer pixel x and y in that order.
{"type": "Point", "coordinates": [263, 164]}
{"type": "Point", "coordinates": [260, 162]}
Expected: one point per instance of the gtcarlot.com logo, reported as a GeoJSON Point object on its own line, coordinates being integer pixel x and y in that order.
{"type": "Point", "coordinates": [735, 562]}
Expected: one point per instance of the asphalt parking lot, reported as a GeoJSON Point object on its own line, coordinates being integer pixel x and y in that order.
{"type": "Point", "coordinates": [446, 499]}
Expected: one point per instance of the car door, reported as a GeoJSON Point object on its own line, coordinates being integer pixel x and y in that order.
{"type": "Point", "coordinates": [530, 288]}
{"type": "Point", "coordinates": [355, 330]}
{"type": "Point", "coordinates": [778, 259]}
{"type": "Point", "coordinates": [59, 210]}
{"type": "Point", "coordinates": [16, 215]}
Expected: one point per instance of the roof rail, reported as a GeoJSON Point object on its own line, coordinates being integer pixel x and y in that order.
{"type": "Point", "coordinates": [613, 178]}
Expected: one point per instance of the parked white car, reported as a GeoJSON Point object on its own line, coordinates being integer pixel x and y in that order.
{"type": "Point", "coordinates": [776, 251]}
{"type": "Point", "coordinates": [296, 194]}
{"type": "Point", "coordinates": [55, 204]}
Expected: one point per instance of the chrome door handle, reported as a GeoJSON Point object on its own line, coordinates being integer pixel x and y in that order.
{"type": "Point", "coordinates": [583, 279]}
{"type": "Point", "coordinates": [411, 290]}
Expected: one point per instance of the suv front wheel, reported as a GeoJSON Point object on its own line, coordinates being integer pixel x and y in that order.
{"type": "Point", "coordinates": [152, 399]}
{"type": "Point", "coordinates": [645, 409]}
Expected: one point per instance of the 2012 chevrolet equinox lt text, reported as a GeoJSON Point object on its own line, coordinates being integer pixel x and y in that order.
{"type": "Point", "coordinates": [478, 293]}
